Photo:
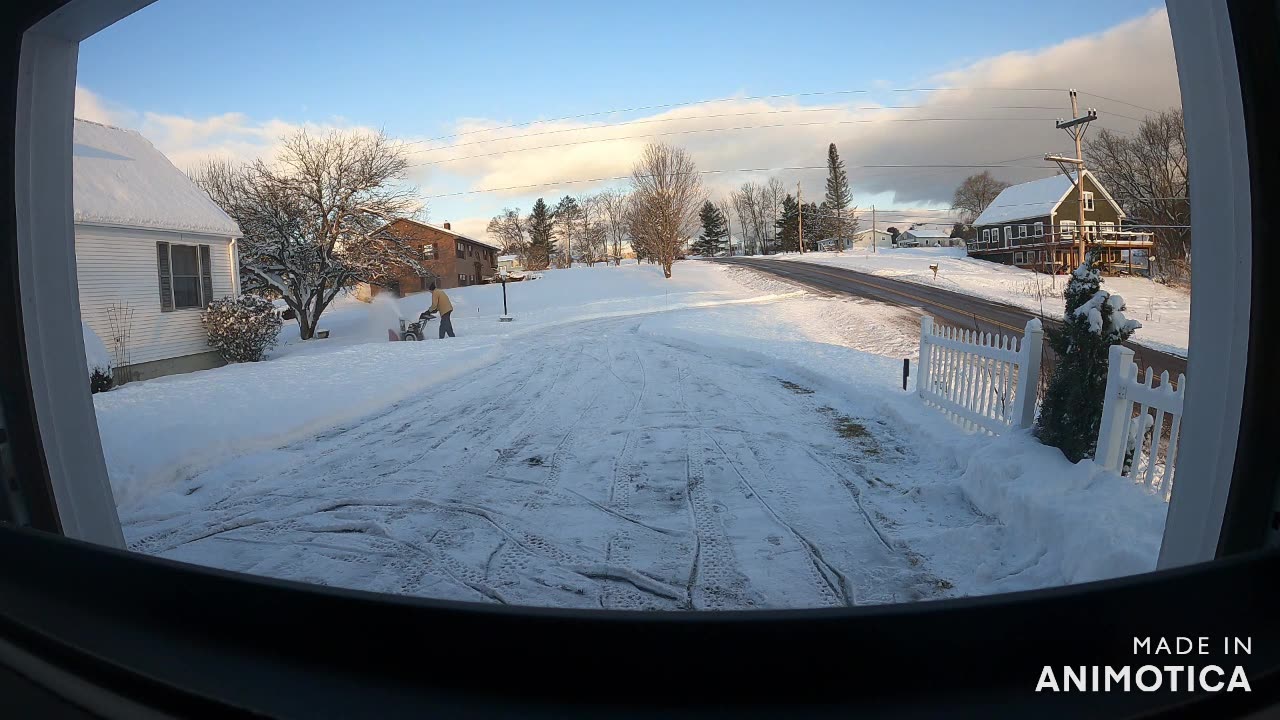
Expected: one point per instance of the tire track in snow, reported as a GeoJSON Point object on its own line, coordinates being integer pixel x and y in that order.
{"type": "Point", "coordinates": [715, 580]}
{"type": "Point", "coordinates": [840, 590]}
{"type": "Point", "coordinates": [820, 571]}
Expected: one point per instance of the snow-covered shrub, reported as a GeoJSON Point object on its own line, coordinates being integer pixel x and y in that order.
{"type": "Point", "coordinates": [1093, 322]}
{"type": "Point", "coordinates": [100, 380]}
{"type": "Point", "coordinates": [97, 361]}
{"type": "Point", "coordinates": [241, 329]}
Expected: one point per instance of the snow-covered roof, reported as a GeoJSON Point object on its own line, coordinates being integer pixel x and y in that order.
{"type": "Point", "coordinates": [508, 258]}
{"type": "Point", "coordinates": [1033, 199]}
{"type": "Point", "coordinates": [877, 231]}
{"type": "Point", "coordinates": [928, 232]}
{"type": "Point", "coordinates": [120, 178]}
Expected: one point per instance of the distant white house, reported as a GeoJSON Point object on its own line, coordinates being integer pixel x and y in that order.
{"type": "Point", "coordinates": [510, 263]}
{"type": "Point", "coordinates": [152, 250]}
{"type": "Point", "coordinates": [927, 237]}
{"type": "Point", "coordinates": [859, 240]}
{"type": "Point", "coordinates": [863, 239]}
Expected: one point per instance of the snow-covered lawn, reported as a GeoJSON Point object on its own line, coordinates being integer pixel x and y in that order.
{"type": "Point", "coordinates": [719, 440]}
{"type": "Point", "coordinates": [1165, 312]}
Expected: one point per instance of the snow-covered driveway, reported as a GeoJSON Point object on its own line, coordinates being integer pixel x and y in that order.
{"type": "Point", "coordinates": [594, 467]}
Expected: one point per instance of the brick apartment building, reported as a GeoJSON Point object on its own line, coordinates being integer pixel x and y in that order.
{"type": "Point", "coordinates": [451, 260]}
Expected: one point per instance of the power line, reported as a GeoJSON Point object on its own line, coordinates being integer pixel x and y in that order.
{"type": "Point", "coordinates": [1126, 117]}
{"type": "Point", "coordinates": [716, 172]}
{"type": "Point", "coordinates": [588, 128]}
{"type": "Point", "coordinates": [728, 129]}
{"type": "Point", "coordinates": [729, 99]}
{"type": "Point", "coordinates": [1122, 102]}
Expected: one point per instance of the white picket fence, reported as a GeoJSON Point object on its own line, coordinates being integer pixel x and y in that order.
{"type": "Point", "coordinates": [1121, 433]}
{"type": "Point", "coordinates": [985, 381]}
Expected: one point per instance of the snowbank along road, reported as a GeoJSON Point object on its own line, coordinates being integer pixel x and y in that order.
{"type": "Point", "coordinates": [952, 308]}
{"type": "Point", "coordinates": [598, 467]}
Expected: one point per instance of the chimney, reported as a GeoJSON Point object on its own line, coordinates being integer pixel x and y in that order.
{"type": "Point", "coordinates": [446, 226]}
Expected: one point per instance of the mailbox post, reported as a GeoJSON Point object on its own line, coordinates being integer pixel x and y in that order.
{"type": "Point", "coordinates": [502, 276]}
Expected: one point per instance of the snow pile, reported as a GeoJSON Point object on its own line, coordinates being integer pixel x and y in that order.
{"type": "Point", "coordinates": [1165, 312]}
{"type": "Point", "coordinates": [156, 432]}
{"type": "Point", "coordinates": [95, 353]}
{"type": "Point", "coordinates": [1074, 523]}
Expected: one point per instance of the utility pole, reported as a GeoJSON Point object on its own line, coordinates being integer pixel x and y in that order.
{"type": "Point", "coordinates": [800, 217]}
{"type": "Point", "coordinates": [728, 228]}
{"type": "Point", "coordinates": [873, 228]}
{"type": "Point", "coordinates": [1076, 128]}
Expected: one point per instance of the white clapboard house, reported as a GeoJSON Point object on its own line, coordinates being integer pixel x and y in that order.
{"type": "Point", "coordinates": [927, 237]}
{"type": "Point", "coordinates": [151, 251]}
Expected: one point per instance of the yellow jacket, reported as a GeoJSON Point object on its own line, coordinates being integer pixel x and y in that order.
{"type": "Point", "coordinates": [440, 302]}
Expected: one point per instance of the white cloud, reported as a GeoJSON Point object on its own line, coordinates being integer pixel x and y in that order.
{"type": "Point", "coordinates": [90, 106]}
{"type": "Point", "coordinates": [1132, 61]}
{"type": "Point", "coordinates": [188, 141]}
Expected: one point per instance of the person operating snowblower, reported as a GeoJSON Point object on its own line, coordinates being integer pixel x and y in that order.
{"type": "Point", "coordinates": [440, 303]}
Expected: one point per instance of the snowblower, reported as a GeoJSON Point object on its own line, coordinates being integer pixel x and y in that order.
{"type": "Point", "coordinates": [413, 330]}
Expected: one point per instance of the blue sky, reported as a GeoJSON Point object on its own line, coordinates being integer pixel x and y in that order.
{"type": "Point", "coordinates": [417, 69]}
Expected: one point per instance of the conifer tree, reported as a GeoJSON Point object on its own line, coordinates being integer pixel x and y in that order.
{"type": "Point", "coordinates": [565, 219]}
{"type": "Point", "coordinates": [788, 225]}
{"type": "Point", "coordinates": [838, 200]}
{"type": "Point", "coordinates": [1093, 322]}
{"type": "Point", "coordinates": [542, 246]}
{"type": "Point", "coordinates": [713, 230]}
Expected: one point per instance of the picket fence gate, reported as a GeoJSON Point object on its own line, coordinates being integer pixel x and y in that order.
{"type": "Point", "coordinates": [987, 382]}
{"type": "Point", "coordinates": [1130, 444]}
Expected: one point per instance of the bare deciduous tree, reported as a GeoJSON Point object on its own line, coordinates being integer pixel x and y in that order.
{"type": "Point", "coordinates": [592, 234]}
{"type": "Point", "coordinates": [667, 194]}
{"type": "Point", "coordinates": [726, 209]}
{"type": "Point", "coordinates": [508, 228]}
{"type": "Point", "coordinates": [754, 207]}
{"type": "Point", "coordinates": [974, 194]}
{"type": "Point", "coordinates": [741, 208]}
{"type": "Point", "coordinates": [774, 192]}
{"type": "Point", "coordinates": [1147, 176]}
{"type": "Point", "coordinates": [314, 221]}
{"type": "Point", "coordinates": [613, 209]}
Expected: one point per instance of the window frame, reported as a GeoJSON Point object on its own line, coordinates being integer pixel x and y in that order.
{"type": "Point", "coordinates": [1088, 200]}
{"type": "Point", "coordinates": [1038, 228]}
{"type": "Point", "coordinates": [204, 295]}
{"type": "Point", "coordinates": [1063, 231]}
{"type": "Point", "coordinates": [194, 278]}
